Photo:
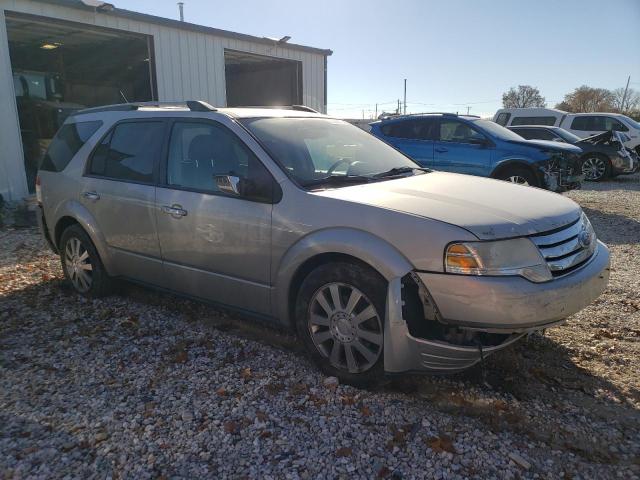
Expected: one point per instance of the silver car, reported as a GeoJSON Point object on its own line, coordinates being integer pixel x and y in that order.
{"type": "Point", "coordinates": [311, 223]}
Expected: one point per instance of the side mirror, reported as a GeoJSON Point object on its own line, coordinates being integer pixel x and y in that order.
{"type": "Point", "coordinates": [228, 184]}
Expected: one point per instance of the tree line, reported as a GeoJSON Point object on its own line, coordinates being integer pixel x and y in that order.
{"type": "Point", "coordinates": [583, 99]}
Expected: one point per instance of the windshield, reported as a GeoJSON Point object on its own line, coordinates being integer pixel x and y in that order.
{"type": "Point", "coordinates": [498, 131]}
{"type": "Point", "coordinates": [313, 149]}
{"type": "Point", "coordinates": [567, 136]}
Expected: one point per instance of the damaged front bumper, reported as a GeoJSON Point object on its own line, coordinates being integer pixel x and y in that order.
{"type": "Point", "coordinates": [562, 172]}
{"type": "Point", "coordinates": [440, 322]}
{"type": "Point", "coordinates": [625, 164]}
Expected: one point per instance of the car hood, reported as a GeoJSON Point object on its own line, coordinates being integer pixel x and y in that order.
{"type": "Point", "coordinates": [490, 209]}
{"type": "Point", "coordinates": [549, 145]}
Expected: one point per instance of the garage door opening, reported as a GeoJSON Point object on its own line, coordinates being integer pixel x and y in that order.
{"type": "Point", "coordinates": [60, 67]}
{"type": "Point", "coordinates": [254, 80]}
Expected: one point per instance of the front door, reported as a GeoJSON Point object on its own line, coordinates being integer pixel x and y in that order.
{"type": "Point", "coordinates": [213, 212]}
{"type": "Point", "coordinates": [460, 148]}
{"type": "Point", "coordinates": [118, 190]}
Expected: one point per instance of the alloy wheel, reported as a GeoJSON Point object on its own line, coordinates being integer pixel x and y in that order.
{"type": "Point", "coordinates": [78, 265]}
{"type": "Point", "coordinates": [594, 168]}
{"type": "Point", "coordinates": [517, 179]}
{"type": "Point", "coordinates": [345, 327]}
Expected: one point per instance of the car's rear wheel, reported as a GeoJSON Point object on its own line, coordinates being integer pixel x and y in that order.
{"type": "Point", "coordinates": [340, 319]}
{"type": "Point", "coordinates": [519, 176]}
{"type": "Point", "coordinates": [595, 167]}
{"type": "Point", "coordinates": [81, 263]}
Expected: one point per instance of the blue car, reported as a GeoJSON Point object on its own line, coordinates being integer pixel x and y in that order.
{"type": "Point", "coordinates": [466, 144]}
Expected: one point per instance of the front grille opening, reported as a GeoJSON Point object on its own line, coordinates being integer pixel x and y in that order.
{"type": "Point", "coordinates": [566, 271]}
{"type": "Point", "coordinates": [422, 316]}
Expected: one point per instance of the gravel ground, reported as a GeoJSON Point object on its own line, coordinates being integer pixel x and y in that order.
{"type": "Point", "coordinates": [146, 385]}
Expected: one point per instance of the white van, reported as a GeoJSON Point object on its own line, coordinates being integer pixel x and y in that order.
{"type": "Point", "coordinates": [581, 124]}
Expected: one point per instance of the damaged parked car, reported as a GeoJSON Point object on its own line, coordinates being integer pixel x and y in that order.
{"type": "Point", "coordinates": [380, 265]}
{"type": "Point", "coordinates": [467, 144]}
{"type": "Point", "coordinates": [604, 155]}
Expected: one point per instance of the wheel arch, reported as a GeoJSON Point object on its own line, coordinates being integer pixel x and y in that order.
{"type": "Point", "coordinates": [72, 213]}
{"type": "Point", "coordinates": [339, 244]}
{"type": "Point", "coordinates": [516, 162]}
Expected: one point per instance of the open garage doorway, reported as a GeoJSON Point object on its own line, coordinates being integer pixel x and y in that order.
{"type": "Point", "coordinates": [255, 80]}
{"type": "Point", "coordinates": [60, 67]}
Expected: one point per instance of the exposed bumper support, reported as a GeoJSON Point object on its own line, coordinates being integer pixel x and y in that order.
{"type": "Point", "coordinates": [511, 306]}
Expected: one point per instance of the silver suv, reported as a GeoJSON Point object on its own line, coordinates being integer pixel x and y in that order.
{"type": "Point", "coordinates": [305, 220]}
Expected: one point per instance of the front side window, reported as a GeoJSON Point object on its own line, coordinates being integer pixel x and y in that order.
{"type": "Point", "coordinates": [458, 132]}
{"type": "Point", "coordinates": [312, 150]}
{"type": "Point", "coordinates": [615, 125]}
{"type": "Point", "coordinates": [66, 143]}
{"type": "Point", "coordinates": [129, 152]}
{"type": "Point", "coordinates": [201, 153]}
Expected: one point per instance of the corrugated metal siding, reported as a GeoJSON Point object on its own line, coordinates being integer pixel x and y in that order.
{"type": "Point", "coordinates": [189, 65]}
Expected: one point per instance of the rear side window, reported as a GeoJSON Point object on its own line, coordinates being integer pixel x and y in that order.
{"type": "Point", "coordinates": [416, 129]}
{"type": "Point", "coordinates": [129, 152]}
{"type": "Point", "coordinates": [503, 118]}
{"type": "Point", "coordinates": [550, 121]}
{"type": "Point", "coordinates": [66, 143]}
{"type": "Point", "coordinates": [597, 123]}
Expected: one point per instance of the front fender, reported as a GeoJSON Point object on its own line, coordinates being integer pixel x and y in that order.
{"type": "Point", "coordinates": [77, 211]}
{"type": "Point", "coordinates": [368, 248]}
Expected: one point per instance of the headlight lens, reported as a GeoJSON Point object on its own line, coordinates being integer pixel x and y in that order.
{"type": "Point", "coordinates": [518, 256]}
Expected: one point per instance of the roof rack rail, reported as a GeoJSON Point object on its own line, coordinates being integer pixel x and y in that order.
{"type": "Point", "coordinates": [193, 105]}
{"type": "Point", "coordinates": [303, 108]}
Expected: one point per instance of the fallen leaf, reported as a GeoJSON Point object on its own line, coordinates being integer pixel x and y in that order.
{"type": "Point", "coordinates": [222, 392]}
{"type": "Point", "coordinates": [365, 411]}
{"type": "Point", "coordinates": [245, 373]}
{"type": "Point", "coordinates": [344, 452]}
{"type": "Point", "coordinates": [441, 443]}
{"type": "Point", "coordinates": [231, 427]}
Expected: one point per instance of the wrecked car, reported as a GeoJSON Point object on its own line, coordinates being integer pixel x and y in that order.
{"type": "Point", "coordinates": [310, 223]}
{"type": "Point", "coordinates": [471, 145]}
{"type": "Point", "coordinates": [604, 155]}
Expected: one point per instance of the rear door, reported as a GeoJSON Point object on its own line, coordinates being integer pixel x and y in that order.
{"type": "Point", "coordinates": [413, 136]}
{"type": "Point", "coordinates": [461, 148]}
{"type": "Point", "coordinates": [215, 244]}
{"type": "Point", "coordinates": [119, 191]}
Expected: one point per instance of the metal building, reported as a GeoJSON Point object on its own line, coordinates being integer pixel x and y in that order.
{"type": "Point", "coordinates": [57, 56]}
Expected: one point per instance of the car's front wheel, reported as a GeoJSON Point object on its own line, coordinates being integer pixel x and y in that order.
{"type": "Point", "coordinates": [81, 263]}
{"type": "Point", "coordinates": [519, 176]}
{"type": "Point", "coordinates": [595, 167]}
{"type": "Point", "coordinates": [340, 319]}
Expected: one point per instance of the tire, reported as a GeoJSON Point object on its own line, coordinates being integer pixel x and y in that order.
{"type": "Point", "coordinates": [518, 175]}
{"type": "Point", "coordinates": [345, 340]}
{"type": "Point", "coordinates": [81, 264]}
{"type": "Point", "coordinates": [596, 167]}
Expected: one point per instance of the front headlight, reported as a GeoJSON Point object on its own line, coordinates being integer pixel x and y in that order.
{"type": "Point", "coordinates": [518, 256]}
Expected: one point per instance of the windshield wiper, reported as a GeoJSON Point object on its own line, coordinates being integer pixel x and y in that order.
{"type": "Point", "coordinates": [399, 171]}
{"type": "Point", "coordinates": [338, 180]}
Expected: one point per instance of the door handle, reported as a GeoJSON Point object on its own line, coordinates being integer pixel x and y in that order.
{"type": "Point", "coordinates": [176, 211]}
{"type": "Point", "coordinates": [91, 196]}
{"type": "Point", "coordinates": [442, 150]}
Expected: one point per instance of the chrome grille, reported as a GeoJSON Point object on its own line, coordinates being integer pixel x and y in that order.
{"type": "Point", "coordinates": [567, 248]}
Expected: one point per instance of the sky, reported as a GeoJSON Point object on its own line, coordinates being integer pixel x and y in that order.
{"type": "Point", "coordinates": [454, 55]}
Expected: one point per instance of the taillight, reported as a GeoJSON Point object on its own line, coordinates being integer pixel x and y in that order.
{"type": "Point", "coordinates": [38, 190]}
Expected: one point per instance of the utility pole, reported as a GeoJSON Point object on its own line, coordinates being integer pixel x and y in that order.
{"type": "Point", "coordinates": [405, 96]}
{"type": "Point", "coordinates": [468, 108]}
{"type": "Point", "coordinates": [624, 97]}
{"type": "Point", "coordinates": [398, 110]}
{"type": "Point", "coordinates": [376, 111]}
